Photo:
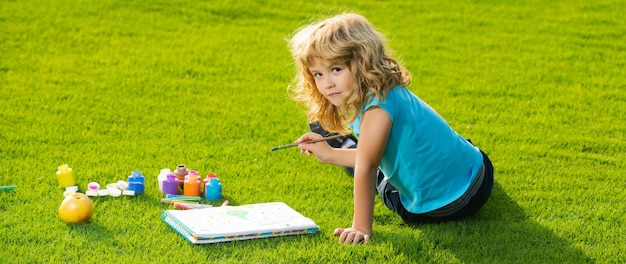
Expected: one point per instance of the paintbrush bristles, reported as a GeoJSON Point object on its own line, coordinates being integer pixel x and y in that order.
{"type": "Point", "coordinates": [308, 142]}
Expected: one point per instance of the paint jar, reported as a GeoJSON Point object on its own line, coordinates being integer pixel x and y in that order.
{"type": "Point", "coordinates": [213, 190]}
{"type": "Point", "coordinates": [162, 177]}
{"type": "Point", "coordinates": [170, 185]}
{"type": "Point", "coordinates": [136, 182]}
{"type": "Point", "coordinates": [180, 172]}
{"type": "Point", "coordinates": [206, 181]}
{"type": "Point", "coordinates": [92, 189]}
{"type": "Point", "coordinates": [192, 184]}
{"type": "Point", "coordinates": [65, 176]}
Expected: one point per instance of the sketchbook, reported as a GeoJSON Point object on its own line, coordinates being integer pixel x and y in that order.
{"type": "Point", "coordinates": [229, 223]}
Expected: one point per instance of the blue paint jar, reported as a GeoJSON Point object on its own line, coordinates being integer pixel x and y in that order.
{"type": "Point", "coordinates": [136, 182]}
{"type": "Point", "coordinates": [213, 190]}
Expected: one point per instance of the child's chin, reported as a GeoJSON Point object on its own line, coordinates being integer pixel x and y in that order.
{"type": "Point", "coordinates": [335, 102]}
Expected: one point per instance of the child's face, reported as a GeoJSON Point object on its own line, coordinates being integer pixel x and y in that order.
{"type": "Point", "coordinates": [332, 79]}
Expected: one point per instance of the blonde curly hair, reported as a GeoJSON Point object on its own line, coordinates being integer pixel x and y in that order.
{"type": "Point", "coordinates": [349, 39]}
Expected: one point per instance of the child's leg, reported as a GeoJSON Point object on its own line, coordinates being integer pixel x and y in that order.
{"type": "Point", "coordinates": [348, 142]}
{"type": "Point", "coordinates": [482, 195]}
{"type": "Point", "coordinates": [391, 198]}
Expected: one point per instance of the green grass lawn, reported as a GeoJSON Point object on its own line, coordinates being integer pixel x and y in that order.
{"type": "Point", "coordinates": [115, 86]}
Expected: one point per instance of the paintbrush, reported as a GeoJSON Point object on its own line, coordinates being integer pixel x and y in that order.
{"type": "Point", "coordinates": [308, 142]}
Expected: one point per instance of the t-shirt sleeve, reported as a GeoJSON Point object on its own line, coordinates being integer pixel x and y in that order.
{"type": "Point", "coordinates": [388, 105]}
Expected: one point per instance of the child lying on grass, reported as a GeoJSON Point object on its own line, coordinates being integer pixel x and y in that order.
{"type": "Point", "coordinates": [348, 81]}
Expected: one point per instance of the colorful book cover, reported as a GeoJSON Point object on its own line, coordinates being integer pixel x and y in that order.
{"type": "Point", "coordinates": [228, 223]}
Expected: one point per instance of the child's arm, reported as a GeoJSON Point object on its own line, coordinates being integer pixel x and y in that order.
{"type": "Point", "coordinates": [325, 153]}
{"type": "Point", "coordinates": [375, 127]}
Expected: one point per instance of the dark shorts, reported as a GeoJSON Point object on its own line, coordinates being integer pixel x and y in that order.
{"type": "Point", "coordinates": [391, 198]}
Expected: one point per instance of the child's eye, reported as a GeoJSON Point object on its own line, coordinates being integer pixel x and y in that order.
{"type": "Point", "coordinates": [317, 74]}
{"type": "Point", "coordinates": [336, 69]}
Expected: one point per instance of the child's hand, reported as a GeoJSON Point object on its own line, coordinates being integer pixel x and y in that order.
{"type": "Point", "coordinates": [319, 149]}
{"type": "Point", "coordinates": [351, 235]}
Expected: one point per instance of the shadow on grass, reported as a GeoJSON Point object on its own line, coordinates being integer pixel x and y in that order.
{"type": "Point", "coordinates": [500, 233]}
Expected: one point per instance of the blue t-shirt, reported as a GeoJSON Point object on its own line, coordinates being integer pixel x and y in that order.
{"type": "Point", "coordinates": [425, 159]}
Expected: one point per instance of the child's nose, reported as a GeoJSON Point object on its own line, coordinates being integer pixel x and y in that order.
{"type": "Point", "coordinates": [329, 83]}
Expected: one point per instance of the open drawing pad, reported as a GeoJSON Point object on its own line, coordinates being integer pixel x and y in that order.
{"type": "Point", "coordinates": [229, 223]}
